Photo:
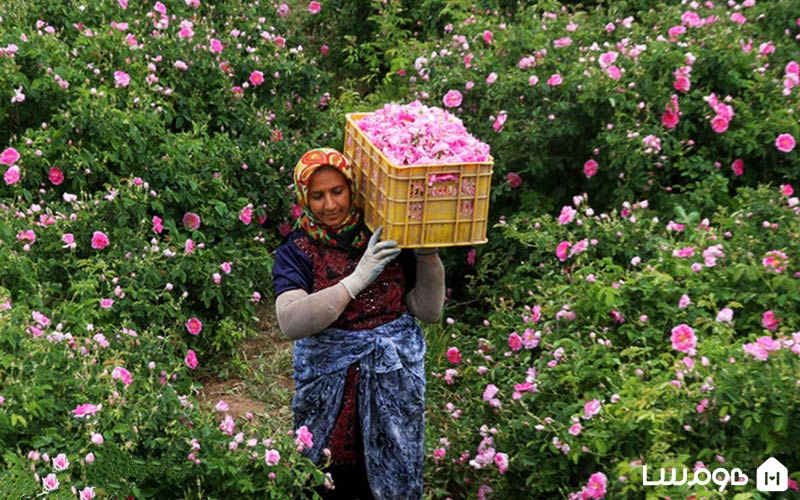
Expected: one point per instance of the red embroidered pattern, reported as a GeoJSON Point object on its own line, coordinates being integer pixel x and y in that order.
{"type": "Point", "coordinates": [345, 443]}
{"type": "Point", "coordinates": [379, 303]}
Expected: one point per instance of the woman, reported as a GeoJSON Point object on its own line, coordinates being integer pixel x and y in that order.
{"type": "Point", "coordinates": [349, 302]}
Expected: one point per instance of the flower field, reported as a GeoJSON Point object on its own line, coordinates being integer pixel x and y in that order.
{"type": "Point", "coordinates": [635, 306]}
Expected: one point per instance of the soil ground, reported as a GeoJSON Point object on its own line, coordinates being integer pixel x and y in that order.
{"type": "Point", "coordinates": [258, 378]}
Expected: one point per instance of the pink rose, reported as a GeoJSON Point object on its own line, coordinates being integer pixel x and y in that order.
{"type": "Point", "coordinates": [562, 249]}
{"type": "Point", "coordinates": [756, 351]}
{"type": "Point", "coordinates": [725, 315]}
{"type": "Point", "coordinates": [246, 214]}
{"type": "Point", "coordinates": [785, 143]}
{"type": "Point", "coordinates": [194, 326]}
{"type": "Point", "coordinates": [567, 215]}
{"type": "Point", "coordinates": [590, 168]}
{"type": "Point", "coordinates": [314, 7]}
{"type": "Point", "coordinates": [608, 58]}
{"type": "Point", "coordinates": [596, 487]}
{"type": "Point", "coordinates": [452, 99]}
{"type": "Point", "coordinates": [683, 338]}
{"type": "Point", "coordinates": [490, 392]}
{"type": "Point", "coordinates": [9, 156]}
{"type": "Point", "coordinates": [216, 46]}
{"type": "Point", "coordinates": [591, 408]}
{"type": "Point", "coordinates": [60, 462]}
{"type": "Point", "coordinates": [256, 78]}
{"type": "Point", "coordinates": [501, 461]}
{"type": "Point", "coordinates": [191, 359]}
{"type": "Point", "coordinates": [453, 355]}
{"type": "Point", "coordinates": [775, 261]}
{"type": "Point", "coordinates": [498, 123]}
{"type": "Point", "coordinates": [719, 124]}
{"type": "Point", "coordinates": [769, 321]}
{"type": "Point", "coordinates": [121, 79]}
{"type": "Point", "coordinates": [12, 175]}
{"type": "Point", "coordinates": [617, 316]}
{"type": "Point", "coordinates": [554, 80]}
{"type": "Point", "coordinates": [768, 343]}
{"type": "Point", "coordinates": [120, 373]}
{"type": "Point", "coordinates": [487, 37]}
{"type": "Point", "coordinates": [514, 180]}
{"type": "Point", "coordinates": [669, 119]}
{"type": "Point", "coordinates": [50, 482]}
{"type": "Point", "coordinates": [562, 42]}
{"type": "Point", "coordinates": [304, 438]}
{"type": "Point", "coordinates": [613, 72]}
{"type": "Point", "coordinates": [227, 425]}
{"type": "Point", "coordinates": [87, 493]}
{"type": "Point", "coordinates": [471, 256]}
{"type": "Point", "coordinates": [191, 220]}
{"type": "Point", "coordinates": [272, 457]}
{"type": "Point", "coordinates": [738, 167]}
{"type": "Point", "coordinates": [515, 341]}
{"type": "Point", "coordinates": [158, 224]}
{"type": "Point", "coordinates": [86, 410]}
{"type": "Point", "coordinates": [56, 176]}
{"type": "Point", "coordinates": [682, 84]}
{"type": "Point", "coordinates": [99, 240]}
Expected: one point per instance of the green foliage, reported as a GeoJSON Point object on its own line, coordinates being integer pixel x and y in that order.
{"type": "Point", "coordinates": [552, 130]}
{"type": "Point", "coordinates": [595, 324]}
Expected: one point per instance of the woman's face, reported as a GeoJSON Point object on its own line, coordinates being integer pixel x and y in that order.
{"type": "Point", "coordinates": [328, 196]}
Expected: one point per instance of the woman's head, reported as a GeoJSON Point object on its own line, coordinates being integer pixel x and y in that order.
{"type": "Point", "coordinates": [325, 186]}
{"type": "Point", "coordinates": [329, 197]}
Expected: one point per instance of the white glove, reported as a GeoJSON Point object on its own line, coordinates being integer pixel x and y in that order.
{"type": "Point", "coordinates": [372, 263]}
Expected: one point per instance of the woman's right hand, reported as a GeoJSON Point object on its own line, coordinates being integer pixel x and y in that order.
{"type": "Point", "coordinates": [377, 255]}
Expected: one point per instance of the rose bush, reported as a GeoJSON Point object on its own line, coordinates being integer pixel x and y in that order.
{"type": "Point", "coordinates": [618, 339]}
{"type": "Point", "coordinates": [143, 188]}
{"type": "Point", "coordinates": [82, 377]}
{"type": "Point", "coordinates": [660, 103]}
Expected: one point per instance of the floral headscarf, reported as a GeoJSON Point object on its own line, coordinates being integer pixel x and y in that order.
{"type": "Point", "coordinates": [351, 233]}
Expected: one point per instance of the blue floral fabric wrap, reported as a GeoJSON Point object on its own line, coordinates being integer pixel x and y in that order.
{"type": "Point", "coordinates": [391, 398]}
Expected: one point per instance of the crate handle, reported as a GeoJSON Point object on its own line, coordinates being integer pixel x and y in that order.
{"type": "Point", "coordinates": [442, 178]}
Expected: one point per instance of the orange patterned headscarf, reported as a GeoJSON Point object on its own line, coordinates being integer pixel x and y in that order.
{"type": "Point", "coordinates": [314, 159]}
{"type": "Point", "coordinates": [351, 233]}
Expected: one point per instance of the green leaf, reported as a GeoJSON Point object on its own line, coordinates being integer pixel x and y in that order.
{"type": "Point", "coordinates": [18, 419]}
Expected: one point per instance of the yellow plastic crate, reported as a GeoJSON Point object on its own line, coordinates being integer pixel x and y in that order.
{"type": "Point", "coordinates": [419, 206]}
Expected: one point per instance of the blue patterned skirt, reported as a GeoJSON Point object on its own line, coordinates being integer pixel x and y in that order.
{"type": "Point", "coordinates": [391, 398]}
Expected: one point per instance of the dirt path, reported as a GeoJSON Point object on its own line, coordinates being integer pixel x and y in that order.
{"type": "Point", "coordinates": [260, 380]}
